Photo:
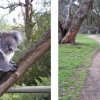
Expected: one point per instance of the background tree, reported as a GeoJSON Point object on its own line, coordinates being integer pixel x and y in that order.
{"type": "Point", "coordinates": [78, 18]}
{"type": "Point", "coordinates": [67, 19]}
{"type": "Point", "coordinates": [28, 18]}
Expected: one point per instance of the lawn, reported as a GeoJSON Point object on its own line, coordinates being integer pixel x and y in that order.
{"type": "Point", "coordinates": [74, 61]}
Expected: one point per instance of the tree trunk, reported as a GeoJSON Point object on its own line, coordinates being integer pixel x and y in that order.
{"type": "Point", "coordinates": [65, 24]}
{"type": "Point", "coordinates": [28, 19]}
{"type": "Point", "coordinates": [77, 21]}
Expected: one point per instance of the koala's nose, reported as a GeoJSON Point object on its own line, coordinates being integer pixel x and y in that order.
{"type": "Point", "coordinates": [10, 48]}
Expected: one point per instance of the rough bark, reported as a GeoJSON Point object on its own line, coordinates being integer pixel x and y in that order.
{"type": "Point", "coordinates": [64, 25]}
{"type": "Point", "coordinates": [28, 19]}
{"type": "Point", "coordinates": [77, 21]}
{"type": "Point", "coordinates": [24, 63]}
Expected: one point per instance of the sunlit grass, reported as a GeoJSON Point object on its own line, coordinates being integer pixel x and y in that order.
{"type": "Point", "coordinates": [73, 63]}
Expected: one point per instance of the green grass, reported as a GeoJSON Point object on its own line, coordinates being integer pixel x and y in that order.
{"type": "Point", "coordinates": [73, 63]}
{"type": "Point", "coordinates": [98, 35]}
{"type": "Point", "coordinates": [26, 96]}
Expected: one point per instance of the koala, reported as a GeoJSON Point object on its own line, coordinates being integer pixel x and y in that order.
{"type": "Point", "coordinates": [8, 45]}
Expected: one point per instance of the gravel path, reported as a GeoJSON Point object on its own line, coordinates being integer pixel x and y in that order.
{"type": "Point", "coordinates": [91, 89]}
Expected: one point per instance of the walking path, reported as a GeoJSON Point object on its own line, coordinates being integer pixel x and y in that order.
{"type": "Point", "coordinates": [91, 89]}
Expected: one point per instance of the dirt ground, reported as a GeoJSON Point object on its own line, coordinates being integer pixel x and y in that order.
{"type": "Point", "coordinates": [91, 90]}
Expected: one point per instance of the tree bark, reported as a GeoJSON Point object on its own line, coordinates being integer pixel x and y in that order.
{"type": "Point", "coordinates": [64, 25]}
{"type": "Point", "coordinates": [77, 21]}
{"type": "Point", "coordinates": [24, 63]}
{"type": "Point", "coordinates": [28, 19]}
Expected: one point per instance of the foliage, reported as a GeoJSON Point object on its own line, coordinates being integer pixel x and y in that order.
{"type": "Point", "coordinates": [73, 62]}
{"type": "Point", "coordinates": [92, 19]}
{"type": "Point", "coordinates": [42, 67]}
{"type": "Point", "coordinates": [23, 96]}
{"type": "Point", "coordinates": [63, 9]}
{"type": "Point", "coordinates": [45, 81]}
{"type": "Point", "coordinates": [29, 96]}
{"type": "Point", "coordinates": [42, 25]}
{"type": "Point", "coordinates": [3, 25]}
{"type": "Point", "coordinates": [38, 71]}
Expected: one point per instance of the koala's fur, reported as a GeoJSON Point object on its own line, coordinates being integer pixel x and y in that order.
{"type": "Point", "coordinates": [8, 45]}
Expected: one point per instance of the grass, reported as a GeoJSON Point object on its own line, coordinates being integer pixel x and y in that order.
{"type": "Point", "coordinates": [26, 96]}
{"type": "Point", "coordinates": [98, 35]}
{"type": "Point", "coordinates": [74, 60]}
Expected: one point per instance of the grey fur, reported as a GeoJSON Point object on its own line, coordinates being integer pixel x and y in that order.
{"type": "Point", "coordinates": [8, 45]}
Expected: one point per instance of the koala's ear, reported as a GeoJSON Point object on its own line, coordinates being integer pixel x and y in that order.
{"type": "Point", "coordinates": [17, 36]}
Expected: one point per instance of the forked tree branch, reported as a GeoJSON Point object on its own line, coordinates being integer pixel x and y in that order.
{"type": "Point", "coordinates": [24, 63]}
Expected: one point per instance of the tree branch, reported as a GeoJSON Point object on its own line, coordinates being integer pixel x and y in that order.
{"type": "Point", "coordinates": [13, 5]}
{"type": "Point", "coordinates": [24, 63]}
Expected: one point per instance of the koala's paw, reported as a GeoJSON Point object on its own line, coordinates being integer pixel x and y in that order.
{"type": "Point", "coordinates": [7, 69]}
{"type": "Point", "coordinates": [14, 65]}
{"type": "Point", "coordinates": [12, 68]}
